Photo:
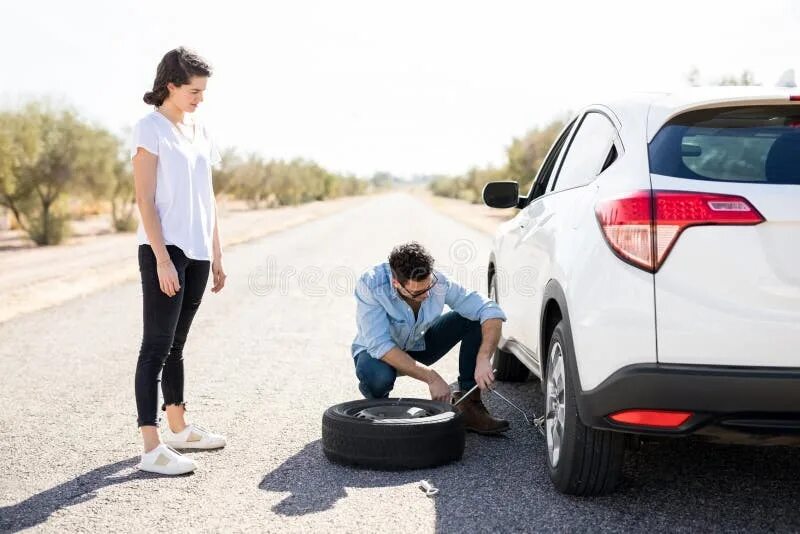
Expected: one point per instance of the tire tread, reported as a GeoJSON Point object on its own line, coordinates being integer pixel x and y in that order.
{"type": "Point", "coordinates": [356, 442]}
{"type": "Point", "coordinates": [592, 463]}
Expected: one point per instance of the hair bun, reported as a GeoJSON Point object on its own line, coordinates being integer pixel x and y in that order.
{"type": "Point", "coordinates": [156, 97]}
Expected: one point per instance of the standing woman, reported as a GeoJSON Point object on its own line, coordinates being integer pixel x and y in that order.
{"type": "Point", "coordinates": [178, 245]}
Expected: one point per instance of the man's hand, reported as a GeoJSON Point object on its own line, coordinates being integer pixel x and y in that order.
{"type": "Point", "coordinates": [483, 372]}
{"type": "Point", "coordinates": [440, 391]}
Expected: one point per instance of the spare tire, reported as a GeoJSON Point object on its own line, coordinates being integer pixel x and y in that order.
{"type": "Point", "coordinates": [393, 434]}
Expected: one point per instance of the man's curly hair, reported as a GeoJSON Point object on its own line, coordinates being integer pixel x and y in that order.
{"type": "Point", "coordinates": [410, 261]}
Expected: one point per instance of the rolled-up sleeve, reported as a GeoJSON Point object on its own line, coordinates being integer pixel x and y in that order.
{"type": "Point", "coordinates": [471, 304]}
{"type": "Point", "coordinates": [373, 322]}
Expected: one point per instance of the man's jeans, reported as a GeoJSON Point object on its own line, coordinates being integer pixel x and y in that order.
{"type": "Point", "coordinates": [376, 378]}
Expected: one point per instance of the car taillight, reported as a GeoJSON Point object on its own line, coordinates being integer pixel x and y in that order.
{"type": "Point", "coordinates": [642, 227]}
{"type": "Point", "coordinates": [795, 98]}
{"type": "Point", "coordinates": [652, 418]}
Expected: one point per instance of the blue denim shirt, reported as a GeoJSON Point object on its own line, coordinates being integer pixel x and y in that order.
{"type": "Point", "coordinates": [385, 320]}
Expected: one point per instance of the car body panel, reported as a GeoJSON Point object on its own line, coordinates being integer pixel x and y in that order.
{"type": "Point", "coordinates": [730, 295]}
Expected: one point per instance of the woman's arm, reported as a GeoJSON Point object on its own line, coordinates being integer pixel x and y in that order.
{"type": "Point", "coordinates": [216, 266]}
{"type": "Point", "coordinates": [144, 178]}
{"type": "Point", "coordinates": [217, 245]}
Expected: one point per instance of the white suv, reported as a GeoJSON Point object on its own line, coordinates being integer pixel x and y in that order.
{"type": "Point", "coordinates": [651, 278]}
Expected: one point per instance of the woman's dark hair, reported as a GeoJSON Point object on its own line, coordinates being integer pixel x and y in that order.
{"type": "Point", "coordinates": [176, 67]}
{"type": "Point", "coordinates": [410, 261]}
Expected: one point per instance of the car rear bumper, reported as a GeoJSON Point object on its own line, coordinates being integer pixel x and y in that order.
{"type": "Point", "coordinates": [723, 400]}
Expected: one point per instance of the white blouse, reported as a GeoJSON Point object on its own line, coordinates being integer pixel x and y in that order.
{"type": "Point", "coordinates": [184, 191]}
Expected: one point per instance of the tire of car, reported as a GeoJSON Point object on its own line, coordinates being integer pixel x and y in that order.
{"type": "Point", "coordinates": [581, 460]}
{"type": "Point", "coordinates": [509, 368]}
{"type": "Point", "coordinates": [393, 434]}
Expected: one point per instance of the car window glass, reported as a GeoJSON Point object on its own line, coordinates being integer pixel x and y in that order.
{"type": "Point", "coordinates": [588, 153]}
{"type": "Point", "coordinates": [539, 185]}
{"type": "Point", "coordinates": [758, 144]}
{"type": "Point", "coordinates": [610, 159]}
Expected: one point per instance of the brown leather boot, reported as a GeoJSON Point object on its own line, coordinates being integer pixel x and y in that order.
{"type": "Point", "coordinates": [476, 417]}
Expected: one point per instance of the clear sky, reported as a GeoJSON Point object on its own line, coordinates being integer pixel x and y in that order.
{"type": "Point", "coordinates": [411, 87]}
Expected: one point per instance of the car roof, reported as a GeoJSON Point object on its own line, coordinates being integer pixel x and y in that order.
{"type": "Point", "coordinates": [659, 107]}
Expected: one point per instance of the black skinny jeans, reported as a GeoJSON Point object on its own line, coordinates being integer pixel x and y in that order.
{"type": "Point", "coordinates": [166, 325]}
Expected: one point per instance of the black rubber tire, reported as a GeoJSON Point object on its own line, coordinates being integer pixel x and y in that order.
{"type": "Point", "coordinates": [509, 368]}
{"type": "Point", "coordinates": [416, 444]}
{"type": "Point", "coordinates": [591, 460]}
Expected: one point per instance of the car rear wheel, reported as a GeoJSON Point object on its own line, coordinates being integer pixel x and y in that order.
{"type": "Point", "coordinates": [509, 368]}
{"type": "Point", "coordinates": [581, 460]}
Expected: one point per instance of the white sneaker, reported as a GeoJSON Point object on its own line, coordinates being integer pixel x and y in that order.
{"type": "Point", "coordinates": [166, 461]}
{"type": "Point", "coordinates": [193, 437]}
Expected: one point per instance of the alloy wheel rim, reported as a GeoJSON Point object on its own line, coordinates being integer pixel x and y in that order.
{"type": "Point", "coordinates": [555, 408]}
{"type": "Point", "coordinates": [388, 412]}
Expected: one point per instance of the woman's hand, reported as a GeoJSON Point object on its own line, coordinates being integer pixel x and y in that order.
{"type": "Point", "coordinates": [168, 278]}
{"type": "Point", "coordinates": [219, 275]}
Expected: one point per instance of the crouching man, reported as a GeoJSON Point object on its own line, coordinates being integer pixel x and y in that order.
{"type": "Point", "coordinates": [401, 330]}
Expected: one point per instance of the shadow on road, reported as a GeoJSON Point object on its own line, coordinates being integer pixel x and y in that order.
{"type": "Point", "coordinates": [37, 508]}
{"type": "Point", "coordinates": [503, 484]}
{"type": "Point", "coordinates": [316, 484]}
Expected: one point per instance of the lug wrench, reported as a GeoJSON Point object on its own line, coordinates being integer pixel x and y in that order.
{"type": "Point", "coordinates": [538, 422]}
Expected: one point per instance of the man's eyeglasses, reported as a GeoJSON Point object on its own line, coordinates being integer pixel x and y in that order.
{"type": "Point", "coordinates": [415, 294]}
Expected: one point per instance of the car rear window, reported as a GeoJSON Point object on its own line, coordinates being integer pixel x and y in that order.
{"type": "Point", "coordinates": [734, 144]}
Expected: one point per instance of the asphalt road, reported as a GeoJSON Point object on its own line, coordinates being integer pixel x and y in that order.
{"type": "Point", "coordinates": [264, 359]}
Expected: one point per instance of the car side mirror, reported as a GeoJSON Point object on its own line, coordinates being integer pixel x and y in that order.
{"type": "Point", "coordinates": [501, 194]}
